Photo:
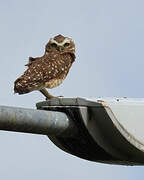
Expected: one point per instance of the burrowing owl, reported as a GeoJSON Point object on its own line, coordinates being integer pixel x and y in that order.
{"type": "Point", "coordinates": [49, 70]}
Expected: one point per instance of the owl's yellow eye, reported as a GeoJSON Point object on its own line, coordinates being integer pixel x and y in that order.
{"type": "Point", "coordinates": [66, 44]}
{"type": "Point", "coordinates": [54, 45]}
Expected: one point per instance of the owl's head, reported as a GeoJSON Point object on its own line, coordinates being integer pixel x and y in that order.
{"type": "Point", "coordinates": [60, 44]}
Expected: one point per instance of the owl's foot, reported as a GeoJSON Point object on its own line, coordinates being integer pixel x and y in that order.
{"type": "Point", "coordinates": [46, 94]}
{"type": "Point", "coordinates": [53, 97]}
{"type": "Point", "coordinates": [49, 98]}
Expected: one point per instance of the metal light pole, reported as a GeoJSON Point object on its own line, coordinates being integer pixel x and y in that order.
{"type": "Point", "coordinates": [36, 121]}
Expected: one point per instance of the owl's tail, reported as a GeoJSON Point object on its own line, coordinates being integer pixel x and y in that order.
{"type": "Point", "coordinates": [20, 86]}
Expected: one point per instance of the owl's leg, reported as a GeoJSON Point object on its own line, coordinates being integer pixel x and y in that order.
{"type": "Point", "coordinates": [46, 94]}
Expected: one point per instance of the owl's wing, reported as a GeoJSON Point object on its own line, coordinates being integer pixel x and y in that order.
{"type": "Point", "coordinates": [73, 57]}
{"type": "Point", "coordinates": [42, 72]}
{"type": "Point", "coordinates": [31, 60]}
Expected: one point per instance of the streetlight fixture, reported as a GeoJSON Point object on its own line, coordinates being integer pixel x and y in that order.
{"type": "Point", "coordinates": [108, 130]}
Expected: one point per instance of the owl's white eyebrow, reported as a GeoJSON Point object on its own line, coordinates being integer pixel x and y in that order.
{"type": "Point", "coordinates": [60, 44]}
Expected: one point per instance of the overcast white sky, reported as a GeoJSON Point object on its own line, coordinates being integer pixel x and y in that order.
{"type": "Point", "coordinates": [109, 38]}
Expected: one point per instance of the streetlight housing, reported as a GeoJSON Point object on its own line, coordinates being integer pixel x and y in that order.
{"type": "Point", "coordinates": [110, 130]}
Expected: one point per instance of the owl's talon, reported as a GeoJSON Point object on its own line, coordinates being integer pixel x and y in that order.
{"type": "Point", "coordinates": [47, 99]}
{"type": "Point", "coordinates": [53, 97]}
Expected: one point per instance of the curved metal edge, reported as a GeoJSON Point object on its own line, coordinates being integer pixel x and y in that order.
{"type": "Point", "coordinates": [82, 145]}
{"type": "Point", "coordinates": [129, 137]}
{"type": "Point", "coordinates": [96, 151]}
{"type": "Point", "coordinates": [103, 130]}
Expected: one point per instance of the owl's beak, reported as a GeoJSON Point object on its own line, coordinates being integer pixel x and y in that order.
{"type": "Point", "coordinates": [60, 48]}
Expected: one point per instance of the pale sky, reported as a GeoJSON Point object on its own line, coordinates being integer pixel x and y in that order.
{"type": "Point", "coordinates": [109, 38]}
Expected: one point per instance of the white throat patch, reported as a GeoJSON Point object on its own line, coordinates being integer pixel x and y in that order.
{"type": "Point", "coordinates": [66, 40]}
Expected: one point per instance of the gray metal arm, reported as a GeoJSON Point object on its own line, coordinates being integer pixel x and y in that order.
{"type": "Point", "coordinates": [35, 121]}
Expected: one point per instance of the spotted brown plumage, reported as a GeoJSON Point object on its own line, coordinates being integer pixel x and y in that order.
{"type": "Point", "coordinates": [49, 70]}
